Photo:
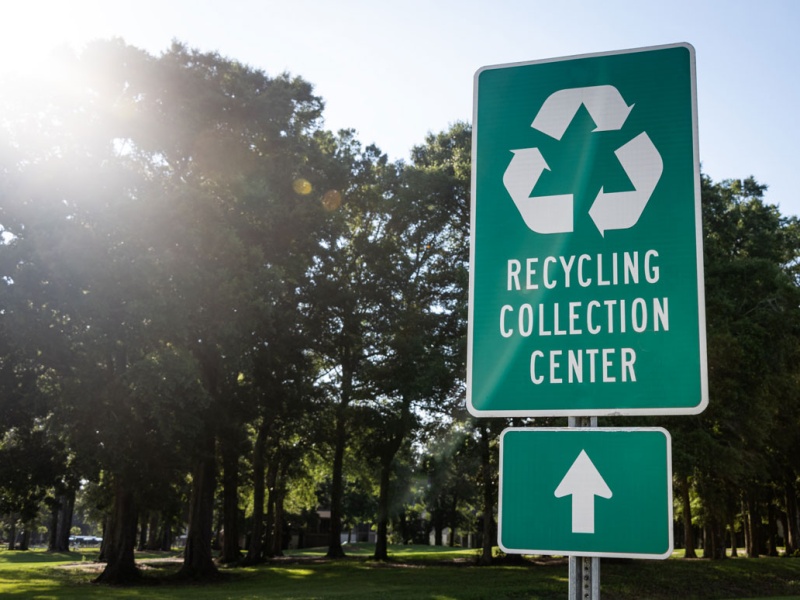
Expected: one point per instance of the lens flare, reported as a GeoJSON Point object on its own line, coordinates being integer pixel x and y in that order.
{"type": "Point", "coordinates": [331, 200]}
{"type": "Point", "coordinates": [302, 186]}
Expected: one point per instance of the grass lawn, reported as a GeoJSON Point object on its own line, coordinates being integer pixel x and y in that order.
{"type": "Point", "coordinates": [414, 572]}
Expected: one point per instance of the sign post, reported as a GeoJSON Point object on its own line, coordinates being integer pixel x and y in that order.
{"type": "Point", "coordinates": [584, 571]}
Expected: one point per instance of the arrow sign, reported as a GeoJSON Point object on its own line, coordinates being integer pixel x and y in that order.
{"type": "Point", "coordinates": [533, 516]}
{"type": "Point", "coordinates": [583, 482]}
{"type": "Point", "coordinates": [543, 214]}
{"type": "Point", "coordinates": [604, 103]}
{"type": "Point", "coordinates": [643, 166]}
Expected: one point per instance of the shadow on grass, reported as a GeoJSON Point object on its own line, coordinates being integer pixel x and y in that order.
{"type": "Point", "coordinates": [450, 575]}
{"type": "Point", "coordinates": [298, 578]}
{"type": "Point", "coordinates": [38, 557]}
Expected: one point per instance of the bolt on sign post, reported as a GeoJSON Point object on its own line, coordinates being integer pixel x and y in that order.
{"type": "Point", "coordinates": [586, 280]}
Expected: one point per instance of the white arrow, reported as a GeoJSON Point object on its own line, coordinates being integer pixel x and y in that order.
{"type": "Point", "coordinates": [621, 210]}
{"type": "Point", "coordinates": [605, 104]}
{"type": "Point", "coordinates": [583, 482]}
{"type": "Point", "coordinates": [543, 214]}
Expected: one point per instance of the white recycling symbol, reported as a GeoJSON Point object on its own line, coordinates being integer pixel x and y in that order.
{"type": "Point", "coordinates": [614, 210]}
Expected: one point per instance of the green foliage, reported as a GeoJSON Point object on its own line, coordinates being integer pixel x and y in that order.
{"type": "Point", "coordinates": [30, 463]}
{"type": "Point", "coordinates": [747, 437]}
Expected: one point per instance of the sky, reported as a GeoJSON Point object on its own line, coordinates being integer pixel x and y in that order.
{"type": "Point", "coordinates": [396, 71]}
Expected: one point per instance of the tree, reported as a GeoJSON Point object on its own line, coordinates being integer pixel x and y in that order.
{"type": "Point", "coordinates": [149, 226]}
{"type": "Point", "coordinates": [29, 466]}
{"type": "Point", "coordinates": [452, 463]}
{"type": "Point", "coordinates": [74, 277]}
{"type": "Point", "coordinates": [343, 298]}
{"type": "Point", "coordinates": [420, 363]}
{"type": "Point", "coordinates": [752, 301]}
{"type": "Point", "coordinates": [282, 388]}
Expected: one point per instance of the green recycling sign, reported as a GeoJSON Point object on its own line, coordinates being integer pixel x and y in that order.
{"type": "Point", "coordinates": [586, 281]}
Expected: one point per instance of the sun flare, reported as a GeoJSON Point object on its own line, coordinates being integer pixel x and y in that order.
{"type": "Point", "coordinates": [34, 33]}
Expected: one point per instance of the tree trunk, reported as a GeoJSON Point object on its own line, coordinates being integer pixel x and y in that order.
{"type": "Point", "coordinates": [438, 525]}
{"type": "Point", "coordinates": [732, 526]}
{"type": "Point", "coordinates": [153, 541]}
{"type": "Point", "coordinates": [753, 522]}
{"type": "Point", "coordinates": [382, 541]}
{"type": "Point", "coordinates": [715, 541]}
{"type": "Point", "coordinates": [390, 450]}
{"type": "Point", "coordinates": [142, 532]}
{"type": "Point", "coordinates": [216, 533]}
{"type": "Point", "coordinates": [166, 536]}
{"type": "Point", "coordinates": [120, 539]}
{"type": "Point", "coordinates": [255, 550]}
{"type": "Point", "coordinates": [402, 525]}
{"type": "Point", "coordinates": [783, 517]}
{"type": "Point", "coordinates": [230, 501]}
{"type": "Point", "coordinates": [792, 516]}
{"type": "Point", "coordinates": [65, 520]}
{"type": "Point", "coordinates": [772, 532]}
{"type": "Point", "coordinates": [453, 512]}
{"type": "Point", "coordinates": [686, 504]}
{"type": "Point", "coordinates": [746, 528]}
{"type": "Point", "coordinates": [277, 537]}
{"type": "Point", "coordinates": [12, 534]}
{"type": "Point", "coordinates": [488, 498]}
{"type": "Point", "coordinates": [52, 542]}
{"type": "Point", "coordinates": [272, 481]}
{"type": "Point", "coordinates": [25, 542]}
{"type": "Point", "coordinates": [337, 486]}
{"type": "Point", "coordinates": [198, 563]}
{"type": "Point", "coordinates": [107, 522]}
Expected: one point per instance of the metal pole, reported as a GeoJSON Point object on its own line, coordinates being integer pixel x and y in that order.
{"type": "Point", "coordinates": [584, 571]}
